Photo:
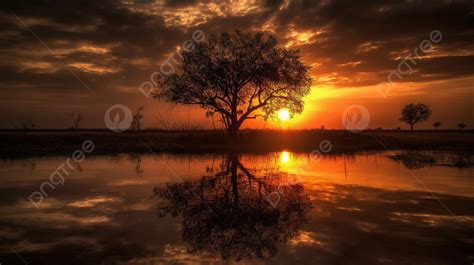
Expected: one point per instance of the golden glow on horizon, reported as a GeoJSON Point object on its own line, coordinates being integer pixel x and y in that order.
{"type": "Point", "coordinates": [284, 115]}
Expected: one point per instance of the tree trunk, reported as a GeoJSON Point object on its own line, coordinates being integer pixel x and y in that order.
{"type": "Point", "coordinates": [234, 128]}
{"type": "Point", "coordinates": [233, 132]}
{"type": "Point", "coordinates": [411, 126]}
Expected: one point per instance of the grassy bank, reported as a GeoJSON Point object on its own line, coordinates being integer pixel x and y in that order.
{"type": "Point", "coordinates": [47, 142]}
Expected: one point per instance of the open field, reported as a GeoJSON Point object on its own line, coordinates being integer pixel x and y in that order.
{"type": "Point", "coordinates": [48, 142]}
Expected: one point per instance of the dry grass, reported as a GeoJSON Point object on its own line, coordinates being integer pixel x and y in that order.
{"type": "Point", "coordinates": [46, 142]}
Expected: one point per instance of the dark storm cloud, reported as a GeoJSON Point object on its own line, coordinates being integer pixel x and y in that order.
{"type": "Point", "coordinates": [180, 3]}
{"type": "Point", "coordinates": [367, 39]}
{"type": "Point", "coordinates": [97, 40]}
{"type": "Point", "coordinates": [392, 27]}
{"type": "Point", "coordinates": [273, 3]}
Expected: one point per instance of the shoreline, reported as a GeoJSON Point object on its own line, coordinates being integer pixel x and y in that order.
{"type": "Point", "coordinates": [17, 143]}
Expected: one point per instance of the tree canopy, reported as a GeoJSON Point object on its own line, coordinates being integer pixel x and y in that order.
{"type": "Point", "coordinates": [415, 113]}
{"type": "Point", "coordinates": [240, 76]}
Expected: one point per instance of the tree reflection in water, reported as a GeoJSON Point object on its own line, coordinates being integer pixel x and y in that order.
{"type": "Point", "coordinates": [228, 214]}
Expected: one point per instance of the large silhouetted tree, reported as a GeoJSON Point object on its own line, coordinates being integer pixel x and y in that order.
{"type": "Point", "coordinates": [240, 76]}
{"type": "Point", "coordinates": [415, 113]}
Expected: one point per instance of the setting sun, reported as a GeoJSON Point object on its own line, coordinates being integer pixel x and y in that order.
{"type": "Point", "coordinates": [284, 157]}
{"type": "Point", "coordinates": [283, 114]}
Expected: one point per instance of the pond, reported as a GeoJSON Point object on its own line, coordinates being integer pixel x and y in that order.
{"type": "Point", "coordinates": [277, 208]}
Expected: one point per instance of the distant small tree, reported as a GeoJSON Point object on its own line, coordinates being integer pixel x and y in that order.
{"type": "Point", "coordinates": [322, 128]}
{"type": "Point", "coordinates": [137, 123]}
{"type": "Point", "coordinates": [437, 124]}
{"type": "Point", "coordinates": [27, 124]}
{"type": "Point", "coordinates": [415, 113]}
{"type": "Point", "coordinates": [461, 126]}
{"type": "Point", "coordinates": [76, 120]}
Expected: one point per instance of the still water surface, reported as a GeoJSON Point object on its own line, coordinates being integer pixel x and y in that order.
{"type": "Point", "coordinates": [279, 208]}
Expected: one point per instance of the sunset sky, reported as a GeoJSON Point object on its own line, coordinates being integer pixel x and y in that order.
{"type": "Point", "coordinates": [63, 57]}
